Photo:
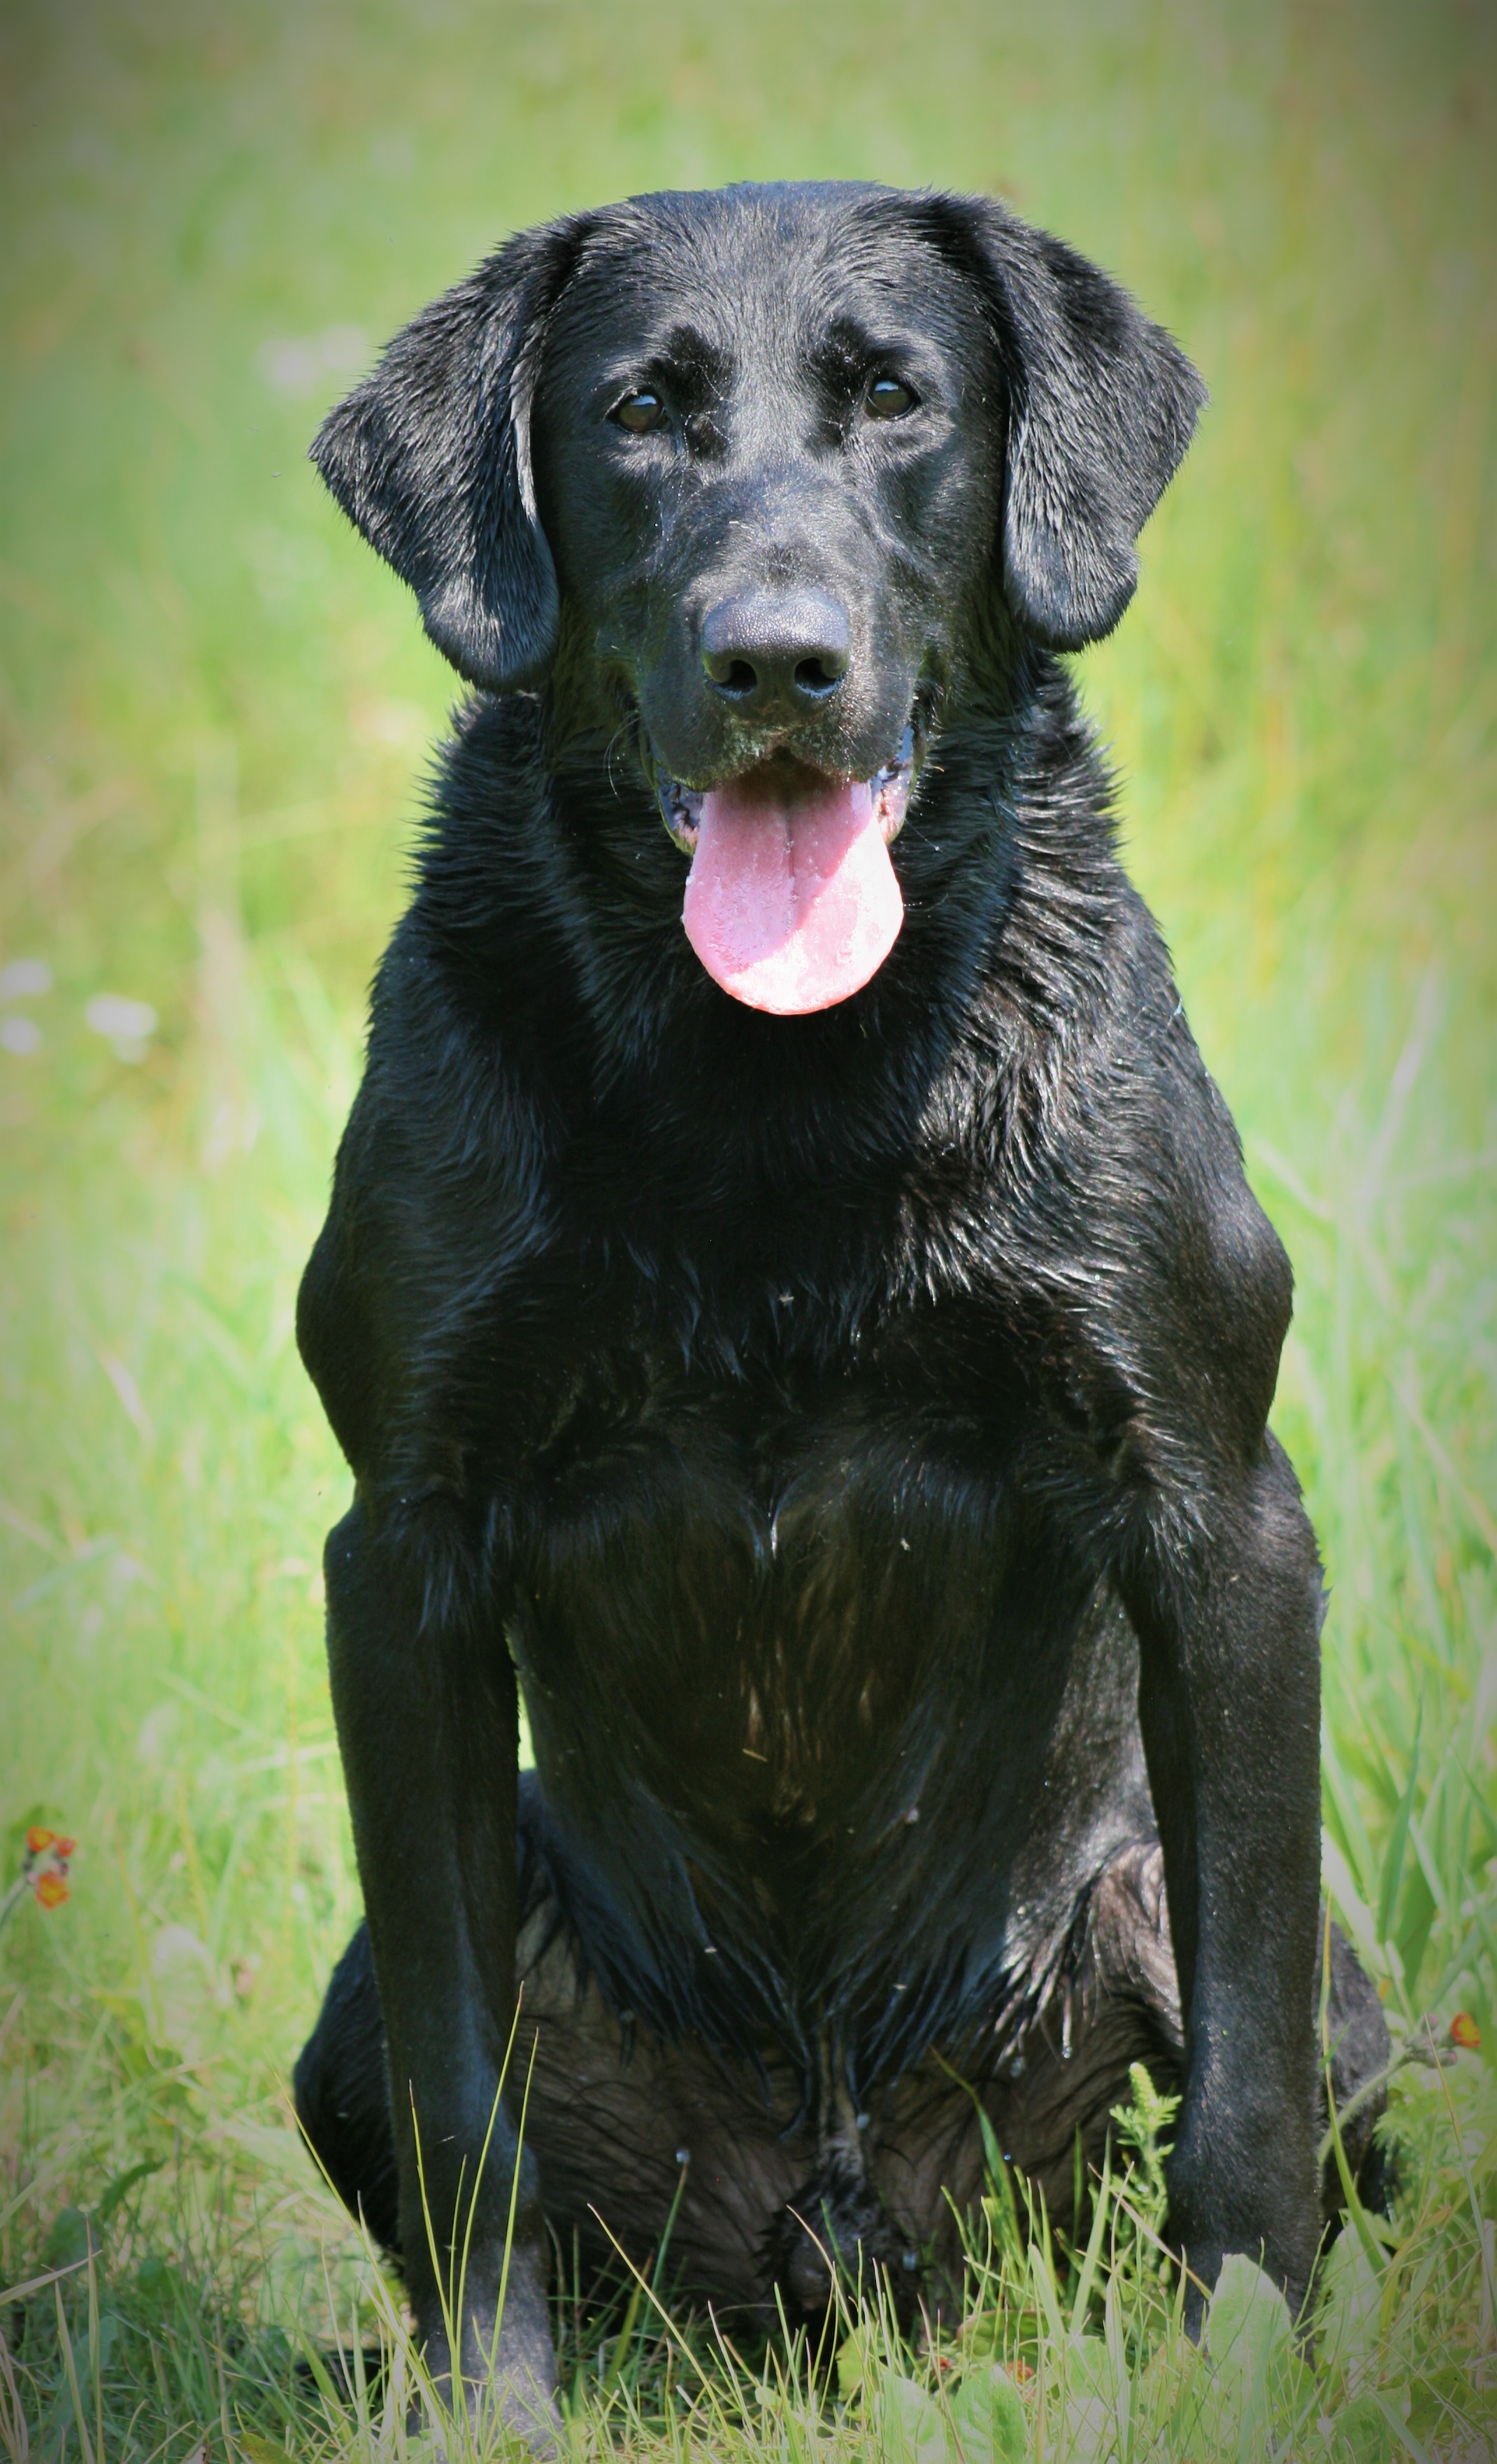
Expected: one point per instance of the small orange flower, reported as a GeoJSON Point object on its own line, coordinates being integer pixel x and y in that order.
{"type": "Point", "coordinates": [1465, 2032]}
{"type": "Point", "coordinates": [63, 1847]}
{"type": "Point", "coordinates": [51, 1890]}
{"type": "Point", "coordinates": [1020, 2369]}
{"type": "Point", "coordinates": [37, 1839]}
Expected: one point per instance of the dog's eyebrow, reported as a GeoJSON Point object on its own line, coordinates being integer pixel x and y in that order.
{"type": "Point", "coordinates": [690, 353]}
{"type": "Point", "coordinates": [697, 371]}
{"type": "Point", "coordinates": [847, 350]}
{"type": "Point", "coordinates": [840, 351]}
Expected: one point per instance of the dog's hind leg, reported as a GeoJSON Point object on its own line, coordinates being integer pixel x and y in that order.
{"type": "Point", "coordinates": [1133, 1960]}
{"type": "Point", "coordinates": [1048, 2081]}
{"type": "Point", "coordinates": [342, 2089]}
{"type": "Point", "coordinates": [619, 2122]}
{"type": "Point", "coordinates": [1360, 2051]}
{"type": "Point", "coordinates": [1113, 2002]}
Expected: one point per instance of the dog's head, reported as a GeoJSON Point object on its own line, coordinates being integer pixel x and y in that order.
{"type": "Point", "coordinates": [764, 470]}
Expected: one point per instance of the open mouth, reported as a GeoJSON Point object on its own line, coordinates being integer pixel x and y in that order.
{"type": "Point", "coordinates": [792, 903]}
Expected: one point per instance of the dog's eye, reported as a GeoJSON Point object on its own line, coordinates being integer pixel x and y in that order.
{"type": "Point", "coordinates": [889, 398]}
{"type": "Point", "coordinates": [640, 412]}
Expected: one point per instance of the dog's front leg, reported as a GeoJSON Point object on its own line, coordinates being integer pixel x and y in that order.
{"type": "Point", "coordinates": [1228, 1623]}
{"type": "Point", "coordinates": [426, 1707]}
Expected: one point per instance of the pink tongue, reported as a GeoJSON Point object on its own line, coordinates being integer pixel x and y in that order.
{"type": "Point", "coordinates": [791, 902]}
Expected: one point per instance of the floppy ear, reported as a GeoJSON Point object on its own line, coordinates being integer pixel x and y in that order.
{"type": "Point", "coordinates": [430, 458]}
{"type": "Point", "coordinates": [1101, 407]}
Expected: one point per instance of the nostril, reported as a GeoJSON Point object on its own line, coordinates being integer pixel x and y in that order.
{"type": "Point", "coordinates": [818, 676]}
{"type": "Point", "coordinates": [738, 678]}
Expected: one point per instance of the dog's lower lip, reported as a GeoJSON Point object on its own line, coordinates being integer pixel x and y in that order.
{"type": "Point", "coordinates": [681, 807]}
{"type": "Point", "coordinates": [890, 786]}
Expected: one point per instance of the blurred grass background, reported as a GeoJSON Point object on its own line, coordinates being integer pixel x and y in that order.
{"type": "Point", "coordinates": [214, 712]}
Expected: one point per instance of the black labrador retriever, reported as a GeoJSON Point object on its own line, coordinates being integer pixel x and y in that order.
{"type": "Point", "coordinates": [791, 1304]}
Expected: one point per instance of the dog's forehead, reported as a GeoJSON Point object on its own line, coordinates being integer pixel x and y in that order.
{"type": "Point", "coordinates": [751, 269]}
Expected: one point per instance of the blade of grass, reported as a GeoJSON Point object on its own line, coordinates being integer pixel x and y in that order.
{"type": "Point", "coordinates": [1397, 1837]}
{"type": "Point", "coordinates": [1086, 2280]}
{"type": "Point", "coordinates": [69, 2366]}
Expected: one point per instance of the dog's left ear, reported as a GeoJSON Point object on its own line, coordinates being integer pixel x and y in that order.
{"type": "Point", "coordinates": [430, 457]}
{"type": "Point", "coordinates": [1101, 406]}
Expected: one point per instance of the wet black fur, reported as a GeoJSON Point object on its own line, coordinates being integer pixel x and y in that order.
{"type": "Point", "coordinates": [852, 1427]}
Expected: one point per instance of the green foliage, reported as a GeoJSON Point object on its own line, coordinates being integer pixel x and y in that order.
{"type": "Point", "coordinates": [214, 709]}
{"type": "Point", "coordinates": [1142, 2126]}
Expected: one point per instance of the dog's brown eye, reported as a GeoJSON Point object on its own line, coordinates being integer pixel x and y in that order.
{"type": "Point", "coordinates": [889, 398]}
{"type": "Point", "coordinates": [640, 412]}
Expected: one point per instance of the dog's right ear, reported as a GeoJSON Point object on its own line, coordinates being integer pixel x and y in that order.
{"type": "Point", "coordinates": [430, 457]}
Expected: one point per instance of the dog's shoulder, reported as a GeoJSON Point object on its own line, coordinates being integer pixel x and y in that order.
{"type": "Point", "coordinates": [1118, 1229]}
{"type": "Point", "coordinates": [441, 1187]}
{"type": "Point", "coordinates": [1199, 1284]}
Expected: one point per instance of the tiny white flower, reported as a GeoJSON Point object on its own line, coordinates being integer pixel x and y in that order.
{"type": "Point", "coordinates": [344, 350]}
{"type": "Point", "coordinates": [24, 979]}
{"type": "Point", "coordinates": [288, 366]}
{"type": "Point", "coordinates": [127, 1025]}
{"type": "Point", "coordinates": [298, 364]}
{"type": "Point", "coordinates": [20, 1035]}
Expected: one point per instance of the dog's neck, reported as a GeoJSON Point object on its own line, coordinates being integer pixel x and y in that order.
{"type": "Point", "coordinates": [553, 893]}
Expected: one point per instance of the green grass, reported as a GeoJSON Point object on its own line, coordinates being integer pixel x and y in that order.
{"type": "Point", "coordinates": [214, 709]}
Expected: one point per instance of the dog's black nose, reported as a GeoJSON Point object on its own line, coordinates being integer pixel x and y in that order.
{"type": "Point", "coordinates": [760, 649]}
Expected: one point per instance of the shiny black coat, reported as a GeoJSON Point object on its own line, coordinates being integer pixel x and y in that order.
{"type": "Point", "coordinates": [852, 1427]}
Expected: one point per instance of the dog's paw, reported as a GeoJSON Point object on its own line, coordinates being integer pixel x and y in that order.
{"type": "Point", "coordinates": [506, 2386]}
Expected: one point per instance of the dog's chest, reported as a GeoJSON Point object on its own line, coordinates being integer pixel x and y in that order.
{"type": "Point", "coordinates": [800, 1659]}
{"type": "Point", "coordinates": [766, 1598]}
